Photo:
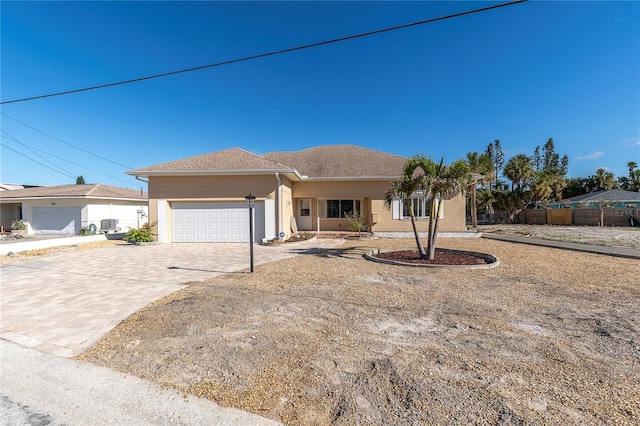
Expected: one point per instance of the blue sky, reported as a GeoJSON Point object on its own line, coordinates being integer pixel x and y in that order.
{"type": "Point", "coordinates": [521, 74]}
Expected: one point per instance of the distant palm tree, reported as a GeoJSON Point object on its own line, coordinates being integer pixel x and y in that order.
{"type": "Point", "coordinates": [603, 180]}
{"type": "Point", "coordinates": [482, 172]}
{"type": "Point", "coordinates": [519, 169]}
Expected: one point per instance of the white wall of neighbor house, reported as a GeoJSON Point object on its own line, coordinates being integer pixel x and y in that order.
{"type": "Point", "coordinates": [91, 212]}
{"type": "Point", "coordinates": [127, 214]}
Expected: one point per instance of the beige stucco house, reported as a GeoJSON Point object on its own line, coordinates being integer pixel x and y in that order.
{"type": "Point", "coordinates": [201, 198]}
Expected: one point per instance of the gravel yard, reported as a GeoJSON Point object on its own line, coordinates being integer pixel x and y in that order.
{"type": "Point", "coordinates": [548, 337]}
{"type": "Point", "coordinates": [603, 236]}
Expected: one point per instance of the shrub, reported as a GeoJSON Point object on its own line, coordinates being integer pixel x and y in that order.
{"type": "Point", "coordinates": [18, 225]}
{"type": "Point", "coordinates": [142, 235]}
{"type": "Point", "coordinates": [355, 222]}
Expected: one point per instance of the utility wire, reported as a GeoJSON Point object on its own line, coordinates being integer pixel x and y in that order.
{"type": "Point", "coordinates": [13, 139]}
{"type": "Point", "coordinates": [36, 161]}
{"type": "Point", "coordinates": [264, 55]}
{"type": "Point", "coordinates": [66, 143]}
{"type": "Point", "coordinates": [60, 158]}
{"type": "Point", "coordinates": [84, 167]}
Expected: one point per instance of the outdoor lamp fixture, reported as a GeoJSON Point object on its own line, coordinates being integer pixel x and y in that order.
{"type": "Point", "coordinates": [251, 201]}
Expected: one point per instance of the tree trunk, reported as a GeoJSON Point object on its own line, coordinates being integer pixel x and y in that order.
{"type": "Point", "coordinates": [423, 254]}
{"type": "Point", "coordinates": [433, 234]}
{"type": "Point", "coordinates": [474, 208]}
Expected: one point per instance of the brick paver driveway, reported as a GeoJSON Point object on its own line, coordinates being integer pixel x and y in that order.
{"type": "Point", "coordinates": [64, 303]}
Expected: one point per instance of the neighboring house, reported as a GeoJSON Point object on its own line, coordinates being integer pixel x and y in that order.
{"type": "Point", "coordinates": [616, 198]}
{"type": "Point", "coordinates": [12, 186]}
{"type": "Point", "coordinates": [66, 209]}
{"type": "Point", "coordinates": [201, 198]}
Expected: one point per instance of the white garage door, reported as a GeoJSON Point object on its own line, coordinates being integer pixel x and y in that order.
{"type": "Point", "coordinates": [215, 222]}
{"type": "Point", "coordinates": [56, 220]}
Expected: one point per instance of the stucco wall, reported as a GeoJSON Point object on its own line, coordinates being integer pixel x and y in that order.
{"type": "Point", "coordinates": [210, 188]}
{"type": "Point", "coordinates": [170, 189]}
{"type": "Point", "coordinates": [234, 188]}
{"type": "Point", "coordinates": [452, 220]}
{"type": "Point", "coordinates": [125, 211]}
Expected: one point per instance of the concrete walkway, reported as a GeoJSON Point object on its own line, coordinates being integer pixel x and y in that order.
{"type": "Point", "coordinates": [63, 304]}
{"type": "Point", "coordinates": [565, 245]}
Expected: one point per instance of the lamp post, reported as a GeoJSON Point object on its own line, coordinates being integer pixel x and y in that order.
{"type": "Point", "coordinates": [251, 201]}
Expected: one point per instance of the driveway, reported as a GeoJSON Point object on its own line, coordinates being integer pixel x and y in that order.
{"type": "Point", "coordinates": [63, 304]}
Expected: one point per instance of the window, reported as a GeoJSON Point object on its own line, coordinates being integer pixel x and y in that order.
{"type": "Point", "coordinates": [305, 207]}
{"type": "Point", "coordinates": [421, 208]}
{"type": "Point", "coordinates": [338, 208]}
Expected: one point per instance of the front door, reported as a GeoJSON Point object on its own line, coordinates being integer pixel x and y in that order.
{"type": "Point", "coordinates": [303, 214]}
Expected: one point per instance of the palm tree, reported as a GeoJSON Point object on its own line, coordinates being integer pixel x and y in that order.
{"type": "Point", "coordinates": [405, 188]}
{"type": "Point", "coordinates": [547, 185]}
{"type": "Point", "coordinates": [482, 172]}
{"type": "Point", "coordinates": [603, 180]}
{"type": "Point", "coordinates": [442, 182]}
{"type": "Point", "coordinates": [426, 180]}
{"type": "Point", "coordinates": [519, 169]}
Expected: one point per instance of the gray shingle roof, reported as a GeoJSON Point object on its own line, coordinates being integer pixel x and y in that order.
{"type": "Point", "coordinates": [228, 160]}
{"type": "Point", "coordinates": [322, 162]}
{"type": "Point", "coordinates": [341, 161]}
{"type": "Point", "coordinates": [610, 195]}
{"type": "Point", "coordinates": [96, 190]}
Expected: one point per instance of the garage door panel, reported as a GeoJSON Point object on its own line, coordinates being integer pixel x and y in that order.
{"type": "Point", "coordinates": [56, 220]}
{"type": "Point", "coordinates": [215, 222]}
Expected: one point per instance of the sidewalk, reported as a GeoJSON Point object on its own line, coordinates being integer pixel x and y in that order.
{"type": "Point", "coordinates": [565, 245]}
{"type": "Point", "coordinates": [38, 388]}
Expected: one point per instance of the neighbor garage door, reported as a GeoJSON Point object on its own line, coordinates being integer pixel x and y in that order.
{"type": "Point", "coordinates": [215, 222]}
{"type": "Point", "coordinates": [56, 220]}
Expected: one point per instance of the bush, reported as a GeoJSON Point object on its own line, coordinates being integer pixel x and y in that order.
{"type": "Point", "coordinates": [18, 225]}
{"type": "Point", "coordinates": [142, 235]}
{"type": "Point", "coordinates": [355, 222]}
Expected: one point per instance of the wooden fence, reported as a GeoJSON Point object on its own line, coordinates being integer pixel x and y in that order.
{"type": "Point", "coordinates": [580, 217]}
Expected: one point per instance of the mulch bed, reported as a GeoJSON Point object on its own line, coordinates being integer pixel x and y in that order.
{"type": "Point", "coordinates": [442, 257]}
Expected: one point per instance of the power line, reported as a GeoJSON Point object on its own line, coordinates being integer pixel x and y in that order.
{"type": "Point", "coordinates": [11, 138]}
{"type": "Point", "coordinates": [264, 55]}
{"type": "Point", "coordinates": [66, 143]}
{"type": "Point", "coordinates": [36, 161]}
{"type": "Point", "coordinates": [61, 158]}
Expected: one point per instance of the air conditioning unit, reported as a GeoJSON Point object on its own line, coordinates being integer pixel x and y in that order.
{"type": "Point", "coordinates": [108, 224]}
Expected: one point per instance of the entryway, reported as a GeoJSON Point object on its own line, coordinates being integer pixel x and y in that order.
{"type": "Point", "coordinates": [303, 214]}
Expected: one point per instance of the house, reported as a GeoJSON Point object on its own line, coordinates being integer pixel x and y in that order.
{"type": "Point", "coordinates": [202, 198]}
{"type": "Point", "coordinates": [12, 186]}
{"type": "Point", "coordinates": [615, 198]}
{"type": "Point", "coordinates": [65, 209]}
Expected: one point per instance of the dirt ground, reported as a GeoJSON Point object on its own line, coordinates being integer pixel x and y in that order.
{"type": "Point", "coordinates": [548, 337]}
{"type": "Point", "coordinates": [609, 236]}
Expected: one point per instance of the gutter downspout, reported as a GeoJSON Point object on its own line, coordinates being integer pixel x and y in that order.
{"type": "Point", "coordinates": [279, 205]}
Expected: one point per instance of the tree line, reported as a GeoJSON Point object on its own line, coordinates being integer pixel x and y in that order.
{"type": "Point", "coordinates": [533, 180]}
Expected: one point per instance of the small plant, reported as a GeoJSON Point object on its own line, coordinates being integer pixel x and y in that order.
{"type": "Point", "coordinates": [143, 235]}
{"type": "Point", "coordinates": [18, 225]}
{"type": "Point", "coordinates": [88, 230]}
{"type": "Point", "coordinates": [355, 222]}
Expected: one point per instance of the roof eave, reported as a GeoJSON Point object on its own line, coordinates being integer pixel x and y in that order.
{"type": "Point", "coordinates": [352, 178]}
{"type": "Point", "coordinates": [147, 174]}
{"type": "Point", "coordinates": [57, 197]}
